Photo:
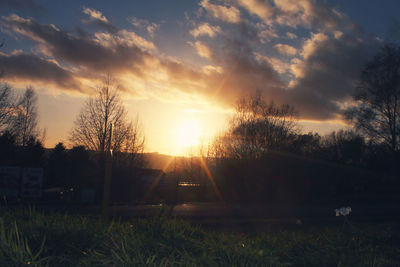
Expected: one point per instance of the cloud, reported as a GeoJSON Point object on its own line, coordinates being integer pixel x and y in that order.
{"type": "Point", "coordinates": [262, 9]}
{"type": "Point", "coordinates": [306, 13]}
{"type": "Point", "coordinates": [138, 23]}
{"type": "Point", "coordinates": [202, 49]}
{"type": "Point", "coordinates": [103, 53]}
{"type": "Point", "coordinates": [328, 74]}
{"type": "Point", "coordinates": [124, 38]}
{"type": "Point", "coordinates": [286, 49]}
{"type": "Point", "coordinates": [150, 27]}
{"type": "Point", "coordinates": [205, 29]}
{"type": "Point", "coordinates": [278, 65]}
{"type": "Point", "coordinates": [321, 76]}
{"type": "Point", "coordinates": [229, 14]}
{"type": "Point", "coordinates": [209, 69]}
{"type": "Point", "coordinates": [126, 56]}
{"type": "Point", "coordinates": [98, 19]}
{"type": "Point", "coordinates": [95, 14]}
{"type": "Point", "coordinates": [291, 35]}
{"type": "Point", "coordinates": [267, 34]}
{"type": "Point", "coordinates": [310, 45]}
{"type": "Point", "coordinates": [241, 75]}
{"type": "Point", "coordinates": [19, 66]}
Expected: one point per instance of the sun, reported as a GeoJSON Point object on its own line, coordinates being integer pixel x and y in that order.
{"type": "Point", "coordinates": [188, 133]}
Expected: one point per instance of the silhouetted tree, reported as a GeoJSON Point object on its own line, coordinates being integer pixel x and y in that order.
{"type": "Point", "coordinates": [8, 148]}
{"type": "Point", "coordinates": [306, 144]}
{"type": "Point", "coordinates": [6, 106]}
{"type": "Point", "coordinates": [32, 154]}
{"type": "Point", "coordinates": [92, 126]}
{"type": "Point", "coordinates": [57, 166]}
{"type": "Point", "coordinates": [23, 123]}
{"type": "Point", "coordinates": [343, 146]}
{"type": "Point", "coordinates": [81, 167]}
{"type": "Point", "coordinates": [377, 100]}
{"type": "Point", "coordinates": [258, 127]}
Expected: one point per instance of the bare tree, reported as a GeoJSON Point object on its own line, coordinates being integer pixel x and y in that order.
{"type": "Point", "coordinates": [23, 122]}
{"type": "Point", "coordinates": [5, 101]}
{"type": "Point", "coordinates": [256, 128]}
{"type": "Point", "coordinates": [377, 100]}
{"type": "Point", "coordinates": [6, 106]}
{"type": "Point", "coordinates": [93, 123]}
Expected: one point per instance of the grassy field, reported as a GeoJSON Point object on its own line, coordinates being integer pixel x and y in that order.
{"type": "Point", "coordinates": [31, 238]}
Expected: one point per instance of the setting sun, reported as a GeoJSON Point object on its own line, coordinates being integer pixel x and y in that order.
{"type": "Point", "coordinates": [188, 134]}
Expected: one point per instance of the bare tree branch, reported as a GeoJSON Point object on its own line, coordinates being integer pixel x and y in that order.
{"type": "Point", "coordinates": [96, 117]}
{"type": "Point", "coordinates": [377, 108]}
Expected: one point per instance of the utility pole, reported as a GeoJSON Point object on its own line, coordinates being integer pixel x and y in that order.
{"type": "Point", "coordinates": [107, 178]}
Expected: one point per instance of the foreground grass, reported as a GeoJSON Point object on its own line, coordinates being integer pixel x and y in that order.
{"type": "Point", "coordinates": [29, 237]}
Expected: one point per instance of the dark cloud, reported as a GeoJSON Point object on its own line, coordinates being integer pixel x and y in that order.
{"type": "Point", "coordinates": [331, 74]}
{"type": "Point", "coordinates": [242, 73]}
{"type": "Point", "coordinates": [329, 70]}
{"type": "Point", "coordinates": [306, 13]}
{"type": "Point", "coordinates": [32, 68]}
{"type": "Point", "coordinates": [109, 54]}
{"type": "Point", "coordinates": [330, 67]}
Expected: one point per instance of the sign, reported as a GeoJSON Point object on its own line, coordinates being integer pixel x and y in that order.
{"type": "Point", "coordinates": [31, 183]}
{"type": "Point", "coordinates": [9, 181]}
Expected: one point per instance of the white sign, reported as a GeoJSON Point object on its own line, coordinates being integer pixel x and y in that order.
{"type": "Point", "coordinates": [9, 181]}
{"type": "Point", "coordinates": [31, 184]}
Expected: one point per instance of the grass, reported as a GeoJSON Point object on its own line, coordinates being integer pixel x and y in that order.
{"type": "Point", "coordinates": [31, 238]}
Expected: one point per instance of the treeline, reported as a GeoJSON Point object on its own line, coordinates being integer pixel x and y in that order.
{"type": "Point", "coordinates": [259, 128]}
{"type": "Point", "coordinates": [372, 139]}
{"type": "Point", "coordinates": [82, 166]}
{"type": "Point", "coordinates": [264, 157]}
{"type": "Point", "coordinates": [72, 170]}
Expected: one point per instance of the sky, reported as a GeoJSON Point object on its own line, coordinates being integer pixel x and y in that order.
{"type": "Point", "coordinates": [183, 64]}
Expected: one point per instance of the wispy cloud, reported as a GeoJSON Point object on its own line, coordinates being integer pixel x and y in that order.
{"type": "Point", "coordinates": [225, 13]}
{"type": "Point", "coordinates": [305, 13]}
{"type": "Point", "coordinates": [99, 19]}
{"type": "Point", "coordinates": [205, 29]}
{"type": "Point", "coordinates": [202, 49]}
{"type": "Point", "coordinates": [95, 14]}
{"type": "Point", "coordinates": [291, 35]}
{"type": "Point", "coordinates": [151, 27]}
{"type": "Point", "coordinates": [286, 49]}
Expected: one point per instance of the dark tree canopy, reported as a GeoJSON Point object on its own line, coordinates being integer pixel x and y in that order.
{"type": "Point", "coordinates": [377, 110]}
{"type": "Point", "coordinates": [258, 127]}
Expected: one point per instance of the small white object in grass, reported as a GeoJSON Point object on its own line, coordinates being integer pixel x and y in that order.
{"type": "Point", "coordinates": [343, 211]}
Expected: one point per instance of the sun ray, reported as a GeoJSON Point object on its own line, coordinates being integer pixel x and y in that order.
{"type": "Point", "coordinates": [158, 178]}
{"type": "Point", "coordinates": [211, 178]}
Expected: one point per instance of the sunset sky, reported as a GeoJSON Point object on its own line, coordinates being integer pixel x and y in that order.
{"type": "Point", "coordinates": [182, 64]}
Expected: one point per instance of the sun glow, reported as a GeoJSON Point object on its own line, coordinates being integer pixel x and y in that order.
{"type": "Point", "coordinates": [188, 134]}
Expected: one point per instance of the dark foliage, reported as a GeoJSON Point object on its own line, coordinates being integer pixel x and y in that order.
{"type": "Point", "coordinates": [377, 112]}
